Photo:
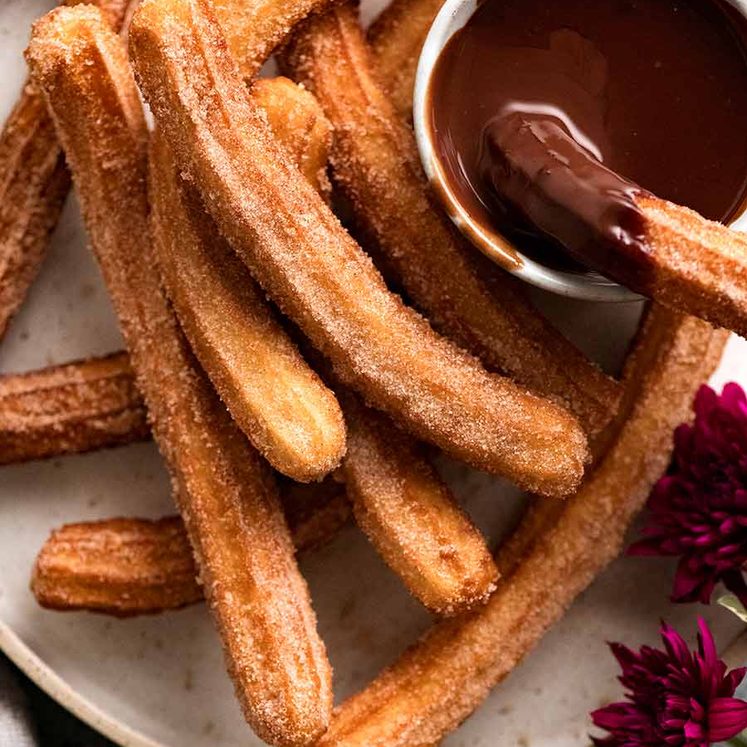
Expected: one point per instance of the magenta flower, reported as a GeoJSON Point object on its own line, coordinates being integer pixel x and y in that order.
{"type": "Point", "coordinates": [698, 511]}
{"type": "Point", "coordinates": [675, 697]}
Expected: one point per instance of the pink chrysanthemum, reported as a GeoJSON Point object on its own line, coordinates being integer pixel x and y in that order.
{"type": "Point", "coordinates": [675, 697]}
{"type": "Point", "coordinates": [698, 511]}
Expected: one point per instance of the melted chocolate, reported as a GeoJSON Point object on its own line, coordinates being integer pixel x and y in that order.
{"type": "Point", "coordinates": [549, 117]}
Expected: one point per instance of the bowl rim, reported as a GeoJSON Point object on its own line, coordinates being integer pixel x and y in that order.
{"type": "Point", "coordinates": [587, 286]}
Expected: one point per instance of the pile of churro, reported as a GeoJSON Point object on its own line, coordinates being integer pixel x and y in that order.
{"type": "Point", "coordinates": [297, 374]}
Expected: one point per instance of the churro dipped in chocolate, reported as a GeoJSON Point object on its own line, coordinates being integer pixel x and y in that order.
{"type": "Point", "coordinates": [606, 222]}
{"type": "Point", "coordinates": [277, 224]}
{"type": "Point", "coordinates": [271, 392]}
{"type": "Point", "coordinates": [438, 682]}
{"type": "Point", "coordinates": [34, 183]}
{"type": "Point", "coordinates": [127, 567]}
{"type": "Point", "coordinates": [375, 163]}
{"type": "Point", "coordinates": [70, 409]}
{"type": "Point", "coordinates": [227, 497]}
{"type": "Point", "coordinates": [578, 156]}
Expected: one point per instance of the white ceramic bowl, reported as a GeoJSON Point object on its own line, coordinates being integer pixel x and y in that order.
{"type": "Point", "coordinates": [453, 15]}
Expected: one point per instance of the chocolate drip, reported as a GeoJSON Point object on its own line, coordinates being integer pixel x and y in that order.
{"type": "Point", "coordinates": [536, 107]}
{"type": "Point", "coordinates": [551, 185]}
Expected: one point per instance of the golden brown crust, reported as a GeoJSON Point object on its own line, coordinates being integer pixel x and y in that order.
{"type": "Point", "coordinates": [126, 567]}
{"type": "Point", "coordinates": [698, 266]}
{"type": "Point", "coordinates": [375, 163]}
{"type": "Point", "coordinates": [69, 409]}
{"type": "Point", "coordinates": [437, 683]}
{"type": "Point", "coordinates": [299, 124]}
{"type": "Point", "coordinates": [396, 38]}
{"type": "Point", "coordinates": [283, 407]}
{"type": "Point", "coordinates": [34, 183]}
{"type": "Point", "coordinates": [254, 29]}
{"type": "Point", "coordinates": [226, 495]}
{"type": "Point", "coordinates": [411, 517]}
{"type": "Point", "coordinates": [278, 225]}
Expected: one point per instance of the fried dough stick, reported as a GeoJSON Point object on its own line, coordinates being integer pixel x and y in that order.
{"type": "Point", "coordinates": [34, 183]}
{"type": "Point", "coordinates": [318, 275]}
{"type": "Point", "coordinates": [70, 409]}
{"type": "Point", "coordinates": [438, 682]}
{"type": "Point", "coordinates": [375, 163]}
{"type": "Point", "coordinates": [396, 39]}
{"type": "Point", "coordinates": [87, 405]}
{"type": "Point", "coordinates": [399, 501]}
{"type": "Point", "coordinates": [126, 567]}
{"type": "Point", "coordinates": [273, 395]}
{"type": "Point", "coordinates": [411, 517]}
{"type": "Point", "coordinates": [226, 495]}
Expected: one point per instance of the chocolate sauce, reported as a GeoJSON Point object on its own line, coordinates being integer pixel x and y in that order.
{"type": "Point", "coordinates": [550, 115]}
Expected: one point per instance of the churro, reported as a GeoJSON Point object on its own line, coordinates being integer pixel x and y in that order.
{"type": "Point", "coordinates": [277, 223]}
{"type": "Point", "coordinates": [411, 517]}
{"type": "Point", "coordinates": [127, 567]}
{"type": "Point", "coordinates": [70, 409]}
{"type": "Point", "coordinates": [86, 405]}
{"type": "Point", "coordinates": [396, 38]}
{"type": "Point", "coordinates": [298, 123]}
{"type": "Point", "coordinates": [34, 183]}
{"type": "Point", "coordinates": [227, 497]}
{"type": "Point", "coordinates": [271, 392]}
{"type": "Point", "coordinates": [666, 252]}
{"type": "Point", "coordinates": [254, 29]}
{"type": "Point", "coordinates": [375, 163]}
{"type": "Point", "coordinates": [437, 683]}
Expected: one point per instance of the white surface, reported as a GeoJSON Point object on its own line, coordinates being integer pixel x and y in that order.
{"type": "Point", "coordinates": [453, 15]}
{"type": "Point", "coordinates": [160, 680]}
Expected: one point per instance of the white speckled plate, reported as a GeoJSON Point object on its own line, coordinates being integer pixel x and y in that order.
{"type": "Point", "coordinates": [160, 680]}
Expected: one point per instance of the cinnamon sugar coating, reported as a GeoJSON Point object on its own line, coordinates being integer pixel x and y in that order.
{"type": "Point", "coordinates": [696, 266]}
{"type": "Point", "coordinates": [411, 517]}
{"type": "Point", "coordinates": [69, 409]}
{"type": "Point", "coordinates": [439, 681]}
{"type": "Point", "coordinates": [227, 497]}
{"type": "Point", "coordinates": [127, 567]}
{"type": "Point", "coordinates": [396, 39]}
{"type": "Point", "coordinates": [376, 165]}
{"type": "Point", "coordinates": [34, 183]}
{"type": "Point", "coordinates": [272, 394]}
{"type": "Point", "coordinates": [300, 254]}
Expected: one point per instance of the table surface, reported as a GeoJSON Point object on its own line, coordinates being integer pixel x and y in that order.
{"type": "Point", "coordinates": [55, 726]}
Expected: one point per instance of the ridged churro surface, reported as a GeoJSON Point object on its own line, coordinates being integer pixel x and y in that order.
{"type": "Point", "coordinates": [375, 163]}
{"type": "Point", "coordinates": [34, 183]}
{"type": "Point", "coordinates": [396, 38]}
{"type": "Point", "coordinates": [411, 517]}
{"type": "Point", "coordinates": [226, 495]}
{"type": "Point", "coordinates": [127, 567]}
{"type": "Point", "coordinates": [317, 274]}
{"type": "Point", "coordinates": [69, 409]}
{"type": "Point", "coordinates": [271, 392]}
{"type": "Point", "coordinates": [438, 682]}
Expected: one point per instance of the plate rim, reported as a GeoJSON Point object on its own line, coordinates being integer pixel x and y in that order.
{"type": "Point", "coordinates": [57, 688]}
